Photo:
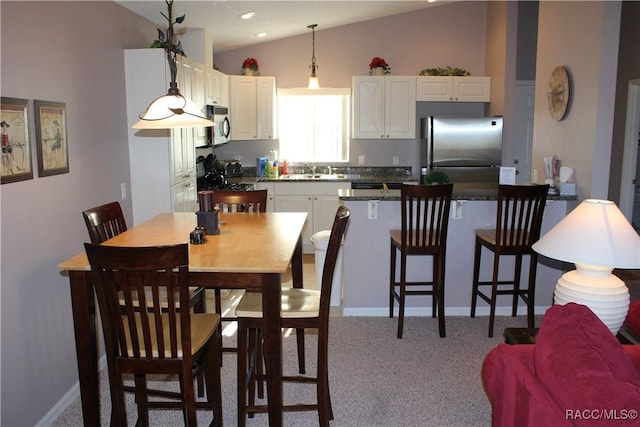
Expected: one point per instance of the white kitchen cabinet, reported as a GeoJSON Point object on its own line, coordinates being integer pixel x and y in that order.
{"type": "Point", "coordinates": [191, 78]}
{"type": "Point", "coordinates": [318, 199]}
{"type": "Point", "coordinates": [453, 88]}
{"type": "Point", "coordinates": [162, 162]}
{"type": "Point", "coordinates": [252, 107]}
{"type": "Point", "coordinates": [384, 107]}
{"type": "Point", "coordinates": [269, 186]}
{"type": "Point", "coordinates": [217, 88]}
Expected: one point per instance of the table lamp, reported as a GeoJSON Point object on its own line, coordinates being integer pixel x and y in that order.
{"type": "Point", "coordinates": [597, 238]}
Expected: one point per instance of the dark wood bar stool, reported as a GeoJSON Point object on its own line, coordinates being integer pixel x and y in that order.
{"type": "Point", "coordinates": [149, 334]}
{"type": "Point", "coordinates": [301, 308]}
{"type": "Point", "coordinates": [425, 219]}
{"type": "Point", "coordinates": [518, 222]}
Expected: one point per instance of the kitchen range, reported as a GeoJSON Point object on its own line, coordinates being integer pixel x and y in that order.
{"type": "Point", "coordinates": [214, 174]}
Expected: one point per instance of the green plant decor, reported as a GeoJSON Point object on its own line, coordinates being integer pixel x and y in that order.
{"type": "Point", "coordinates": [435, 177]}
{"type": "Point", "coordinates": [444, 72]}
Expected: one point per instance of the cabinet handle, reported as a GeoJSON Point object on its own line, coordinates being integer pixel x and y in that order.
{"type": "Point", "coordinates": [188, 184]}
{"type": "Point", "coordinates": [382, 136]}
{"type": "Point", "coordinates": [188, 175]}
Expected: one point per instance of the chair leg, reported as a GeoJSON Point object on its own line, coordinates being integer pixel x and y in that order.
{"type": "Point", "coordinates": [392, 280]}
{"type": "Point", "coordinates": [516, 285]}
{"type": "Point", "coordinates": [403, 290]}
{"type": "Point", "coordinates": [494, 294]}
{"type": "Point", "coordinates": [141, 399]}
{"type": "Point", "coordinates": [189, 398]}
{"type": "Point", "coordinates": [439, 294]}
{"type": "Point", "coordinates": [300, 342]}
{"type": "Point", "coordinates": [213, 381]}
{"type": "Point", "coordinates": [242, 374]}
{"type": "Point", "coordinates": [325, 412]}
{"type": "Point", "coordinates": [218, 304]}
{"type": "Point", "coordinates": [531, 291]}
{"type": "Point", "coordinates": [476, 277]}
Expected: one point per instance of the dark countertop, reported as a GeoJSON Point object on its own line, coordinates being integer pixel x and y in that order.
{"type": "Point", "coordinates": [460, 192]}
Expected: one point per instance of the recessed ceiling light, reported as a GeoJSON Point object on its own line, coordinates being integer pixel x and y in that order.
{"type": "Point", "coordinates": [261, 35]}
{"type": "Point", "coordinates": [248, 15]}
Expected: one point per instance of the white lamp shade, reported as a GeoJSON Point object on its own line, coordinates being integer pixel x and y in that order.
{"type": "Point", "coordinates": [314, 83]}
{"type": "Point", "coordinates": [595, 233]}
{"type": "Point", "coordinates": [172, 111]}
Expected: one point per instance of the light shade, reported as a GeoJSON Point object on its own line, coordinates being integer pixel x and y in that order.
{"type": "Point", "coordinates": [172, 111]}
{"type": "Point", "coordinates": [313, 83]}
{"type": "Point", "coordinates": [596, 237]}
{"type": "Point", "coordinates": [596, 233]}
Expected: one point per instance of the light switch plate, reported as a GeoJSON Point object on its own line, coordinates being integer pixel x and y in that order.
{"type": "Point", "coordinates": [361, 159]}
{"type": "Point", "coordinates": [123, 191]}
{"type": "Point", "coordinates": [396, 160]}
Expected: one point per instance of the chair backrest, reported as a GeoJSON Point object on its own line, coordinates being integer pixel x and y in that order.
{"type": "Point", "coordinates": [104, 222]}
{"type": "Point", "coordinates": [338, 230]}
{"type": "Point", "coordinates": [162, 328]}
{"type": "Point", "coordinates": [240, 201]}
{"type": "Point", "coordinates": [519, 216]}
{"type": "Point", "coordinates": [425, 215]}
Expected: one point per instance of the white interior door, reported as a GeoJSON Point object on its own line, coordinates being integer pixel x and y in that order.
{"type": "Point", "coordinates": [629, 201]}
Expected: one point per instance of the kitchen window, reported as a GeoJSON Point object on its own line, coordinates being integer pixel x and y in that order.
{"type": "Point", "coordinates": [314, 124]}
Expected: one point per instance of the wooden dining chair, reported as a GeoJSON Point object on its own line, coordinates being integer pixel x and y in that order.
{"type": "Point", "coordinates": [425, 218]}
{"type": "Point", "coordinates": [240, 201]}
{"type": "Point", "coordinates": [301, 308]}
{"type": "Point", "coordinates": [142, 337]}
{"type": "Point", "coordinates": [518, 222]}
{"type": "Point", "coordinates": [107, 221]}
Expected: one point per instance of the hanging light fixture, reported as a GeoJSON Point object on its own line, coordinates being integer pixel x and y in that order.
{"type": "Point", "coordinates": [313, 79]}
{"type": "Point", "coordinates": [171, 110]}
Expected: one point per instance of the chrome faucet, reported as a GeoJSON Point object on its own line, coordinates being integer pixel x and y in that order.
{"type": "Point", "coordinates": [313, 169]}
{"type": "Point", "coordinates": [329, 169]}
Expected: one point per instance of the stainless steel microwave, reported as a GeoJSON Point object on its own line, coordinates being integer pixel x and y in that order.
{"type": "Point", "coordinates": [218, 134]}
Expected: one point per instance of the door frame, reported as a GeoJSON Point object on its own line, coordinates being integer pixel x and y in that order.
{"type": "Point", "coordinates": [629, 161]}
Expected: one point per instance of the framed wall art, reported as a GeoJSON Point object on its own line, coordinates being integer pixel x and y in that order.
{"type": "Point", "coordinates": [16, 144]}
{"type": "Point", "coordinates": [51, 137]}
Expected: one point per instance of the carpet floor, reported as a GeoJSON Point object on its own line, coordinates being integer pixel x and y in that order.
{"type": "Point", "coordinates": [375, 378]}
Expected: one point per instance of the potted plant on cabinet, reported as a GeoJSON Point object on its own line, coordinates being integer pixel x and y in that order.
{"type": "Point", "coordinates": [250, 67]}
{"type": "Point", "coordinates": [378, 67]}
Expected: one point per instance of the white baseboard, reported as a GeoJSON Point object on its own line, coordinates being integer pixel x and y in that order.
{"type": "Point", "coordinates": [426, 311]}
{"type": "Point", "coordinates": [69, 396]}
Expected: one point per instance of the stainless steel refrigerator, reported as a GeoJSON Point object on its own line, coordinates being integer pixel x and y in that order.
{"type": "Point", "coordinates": [468, 149]}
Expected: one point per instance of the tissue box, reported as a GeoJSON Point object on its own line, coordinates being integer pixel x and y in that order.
{"type": "Point", "coordinates": [567, 188]}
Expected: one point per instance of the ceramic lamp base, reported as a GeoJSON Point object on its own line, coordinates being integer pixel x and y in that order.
{"type": "Point", "coordinates": [595, 287]}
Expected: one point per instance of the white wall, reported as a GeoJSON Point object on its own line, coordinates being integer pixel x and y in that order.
{"type": "Point", "coordinates": [70, 52]}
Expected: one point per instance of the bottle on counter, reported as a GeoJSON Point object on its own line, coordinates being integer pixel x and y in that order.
{"type": "Point", "coordinates": [274, 169]}
{"type": "Point", "coordinates": [285, 167]}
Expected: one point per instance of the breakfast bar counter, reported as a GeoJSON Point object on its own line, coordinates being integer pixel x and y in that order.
{"type": "Point", "coordinates": [367, 252]}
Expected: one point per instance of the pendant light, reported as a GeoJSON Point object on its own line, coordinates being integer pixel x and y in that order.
{"type": "Point", "coordinates": [313, 79]}
{"type": "Point", "coordinates": [171, 110]}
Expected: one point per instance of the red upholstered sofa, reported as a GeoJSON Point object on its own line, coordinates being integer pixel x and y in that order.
{"type": "Point", "coordinates": [577, 373]}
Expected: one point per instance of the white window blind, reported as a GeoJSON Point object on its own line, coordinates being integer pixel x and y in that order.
{"type": "Point", "coordinates": [314, 124]}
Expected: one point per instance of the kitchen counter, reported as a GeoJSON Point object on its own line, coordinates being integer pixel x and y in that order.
{"type": "Point", "coordinates": [366, 254]}
{"type": "Point", "coordinates": [461, 191]}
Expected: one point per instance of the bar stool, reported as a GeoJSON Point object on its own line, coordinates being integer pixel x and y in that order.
{"type": "Point", "coordinates": [425, 219]}
{"type": "Point", "coordinates": [518, 222]}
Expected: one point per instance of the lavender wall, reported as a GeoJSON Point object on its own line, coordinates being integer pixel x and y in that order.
{"type": "Point", "coordinates": [70, 52]}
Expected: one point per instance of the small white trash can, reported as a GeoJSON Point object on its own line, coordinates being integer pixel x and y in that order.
{"type": "Point", "coordinates": [320, 242]}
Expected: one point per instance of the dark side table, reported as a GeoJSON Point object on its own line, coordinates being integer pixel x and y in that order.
{"type": "Point", "coordinates": [520, 335]}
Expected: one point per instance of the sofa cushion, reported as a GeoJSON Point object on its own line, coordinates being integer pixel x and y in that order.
{"type": "Point", "coordinates": [584, 367]}
{"type": "Point", "coordinates": [632, 322]}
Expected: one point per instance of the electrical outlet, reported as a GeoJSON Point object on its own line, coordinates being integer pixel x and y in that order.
{"type": "Point", "coordinates": [456, 209]}
{"type": "Point", "coordinates": [535, 176]}
{"type": "Point", "coordinates": [396, 160]}
{"type": "Point", "coordinates": [373, 209]}
{"type": "Point", "coordinates": [123, 191]}
{"type": "Point", "coordinates": [361, 159]}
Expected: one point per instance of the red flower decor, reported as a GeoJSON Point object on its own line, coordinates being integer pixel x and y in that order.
{"type": "Point", "coordinates": [378, 62]}
{"type": "Point", "coordinates": [250, 63]}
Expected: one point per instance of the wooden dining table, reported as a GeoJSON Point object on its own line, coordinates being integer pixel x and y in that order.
{"type": "Point", "coordinates": [252, 250]}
